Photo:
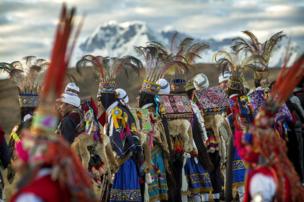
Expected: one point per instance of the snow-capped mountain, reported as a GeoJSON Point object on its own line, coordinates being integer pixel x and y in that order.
{"type": "Point", "coordinates": [118, 39]}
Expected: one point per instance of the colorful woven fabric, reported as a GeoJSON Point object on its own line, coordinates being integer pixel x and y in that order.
{"type": "Point", "coordinates": [126, 184]}
{"type": "Point", "coordinates": [211, 100]}
{"type": "Point", "coordinates": [257, 100]}
{"type": "Point", "coordinates": [142, 119]}
{"type": "Point", "coordinates": [175, 106]}
{"type": "Point", "coordinates": [158, 189]}
{"type": "Point", "coordinates": [198, 178]}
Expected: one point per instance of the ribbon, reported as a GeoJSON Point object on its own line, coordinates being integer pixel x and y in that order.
{"type": "Point", "coordinates": [151, 139]}
{"type": "Point", "coordinates": [116, 116]}
{"type": "Point", "coordinates": [15, 136]}
{"type": "Point", "coordinates": [47, 122]}
{"type": "Point", "coordinates": [156, 101]}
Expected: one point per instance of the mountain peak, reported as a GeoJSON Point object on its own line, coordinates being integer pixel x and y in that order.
{"type": "Point", "coordinates": [118, 39]}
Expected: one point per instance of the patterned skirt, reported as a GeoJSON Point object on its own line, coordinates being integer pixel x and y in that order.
{"type": "Point", "coordinates": [197, 176]}
{"type": "Point", "coordinates": [158, 189]}
{"type": "Point", "coordinates": [126, 186]}
{"type": "Point", "coordinates": [238, 170]}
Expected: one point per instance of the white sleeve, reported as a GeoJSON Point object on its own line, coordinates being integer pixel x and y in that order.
{"type": "Point", "coordinates": [262, 185]}
{"type": "Point", "coordinates": [200, 120]}
{"type": "Point", "coordinates": [295, 100]}
{"type": "Point", "coordinates": [28, 197]}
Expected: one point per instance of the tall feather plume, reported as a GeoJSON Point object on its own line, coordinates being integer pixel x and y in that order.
{"type": "Point", "coordinates": [228, 60]}
{"type": "Point", "coordinates": [255, 44]}
{"type": "Point", "coordinates": [287, 80]}
{"type": "Point", "coordinates": [59, 57]}
{"type": "Point", "coordinates": [173, 43]}
{"type": "Point", "coordinates": [8, 68]}
{"type": "Point", "coordinates": [110, 67]}
{"type": "Point", "coordinates": [252, 45]}
{"type": "Point", "coordinates": [183, 46]}
{"type": "Point", "coordinates": [269, 45]}
{"type": "Point", "coordinates": [187, 51]}
{"type": "Point", "coordinates": [194, 51]}
{"type": "Point", "coordinates": [255, 47]}
{"type": "Point", "coordinates": [170, 64]}
{"type": "Point", "coordinates": [155, 57]}
{"type": "Point", "coordinates": [25, 76]}
{"type": "Point", "coordinates": [70, 172]}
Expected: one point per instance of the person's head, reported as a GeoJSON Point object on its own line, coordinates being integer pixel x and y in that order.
{"type": "Point", "coordinates": [189, 88]}
{"type": "Point", "coordinates": [147, 99]}
{"type": "Point", "coordinates": [178, 86]}
{"type": "Point", "coordinates": [235, 87]}
{"type": "Point", "coordinates": [223, 80]}
{"type": "Point", "coordinates": [122, 95]}
{"type": "Point", "coordinates": [65, 108]}
{"type": "Point", "coordinates": [28, 103]}
{"type": "Point", "coordinates": [67, 102]}
{"type": "Point", "coordinates": [72, 88]}
{"type": "Point", "coordinates": [106, 99]}
{"type": "Point", "coordinates": [164, 86]}
{"type": "Point", "coordinates": [106, 94]}
{"type": "Point", "coordinates": [26, 112]}
{"type": "Point", "coordinates": [200, 81]}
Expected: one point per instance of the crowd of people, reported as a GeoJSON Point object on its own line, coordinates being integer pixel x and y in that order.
{"type": "Point", "coordinates": [183, 140]}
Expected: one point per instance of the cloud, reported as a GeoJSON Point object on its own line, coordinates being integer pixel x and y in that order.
{"type": "Point", "coordinates": [27, 26]}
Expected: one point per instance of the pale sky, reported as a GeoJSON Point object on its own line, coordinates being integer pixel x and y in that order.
{"type": "Point", "coordinates": [27, 26]}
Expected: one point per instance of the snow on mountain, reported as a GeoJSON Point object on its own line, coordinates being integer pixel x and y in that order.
{"type": "Point", "coordinates": [115, 39]}
{"type": "Point", "coordinates": [118, 39]}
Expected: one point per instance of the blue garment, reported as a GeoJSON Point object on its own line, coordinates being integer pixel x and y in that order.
{"type": "Point", "coordinates": [198, 177]}
{"type": "Point", "coordinates": [238, 170]}
{"type": "Point", "coordinates": [126, 186]}
{"type": "Point", "coordinates": [158, 189]}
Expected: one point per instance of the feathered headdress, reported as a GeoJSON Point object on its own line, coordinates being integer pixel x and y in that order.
{"type": "Point", "coordinates": [44, 146]}
{"type": "Point", "coordinates": [229, 61]}
{"type": "Point", "coordinates": [109, 69]}
{"type": "Point", "coordinates": [255, 48]}
{"type": "Point", "coordinates": [45, 118]}
{"type": "Point", "coordinates": [27, 76]}
{"type": "Point", "coordinates": [159, 62]}
{"type": "Point", "coordinates": [267, 143]}
{"type": "Point", "coordinates": [186, 52]}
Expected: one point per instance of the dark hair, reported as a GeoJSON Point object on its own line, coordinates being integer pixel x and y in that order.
{"type": "Point", "coordinates": [257, 83]}
{"type": "Point", "coordinates": [107, 99]}
{"type": "Point", "coordinates": [145, 98]}
{"type": "Point", "coordinates": [190, 93]}
{"type": "Point", "coordinates": [26, 110]}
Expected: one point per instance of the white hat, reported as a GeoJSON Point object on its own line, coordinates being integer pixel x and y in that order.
{"type": "Point", "coordinates": [164, 86]}
{"type": "Point", "coordinates": [70, 98]}
{"type": "Point", "coordinates": [200, 81]}
{"type": "Point", "coordinates": [122, 95]}
{"type": "Point", "coordinates": [72, 87]}
{"type": "Point", "coordinates": [225, 76]}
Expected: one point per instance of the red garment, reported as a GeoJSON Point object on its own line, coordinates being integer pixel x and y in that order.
{"type": "Point", "coordinates": [2, 138]}
{"type": "Point", "coordinates": [102, 119]}
{"type": "Point", "coordinates": [46, 189]}
{"type": "Point", "coordinates": [268, 171]}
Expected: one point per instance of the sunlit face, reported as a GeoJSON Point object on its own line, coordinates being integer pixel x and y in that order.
{"type": "Point", "coordinates": [224, 85]}
{"type": "Point", "coordinates": [264, 83]}
{"type": "Point", "coordinates": [64, 108]}
{"type": "Point", "coordinates": [100, 106]}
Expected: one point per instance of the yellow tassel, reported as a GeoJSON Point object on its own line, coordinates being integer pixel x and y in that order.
{"type": "Point", "coordinates": [15, 136]}
{"type": "Point", "coordinates": [116, 115]}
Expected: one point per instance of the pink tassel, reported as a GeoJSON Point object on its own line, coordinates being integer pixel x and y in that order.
{"type": "Point", "coordinates": [122, 135]}
{"type": "Point", "coordinates": [151, 139]}
{"type": "Point", "coordinates": [21, 152]}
